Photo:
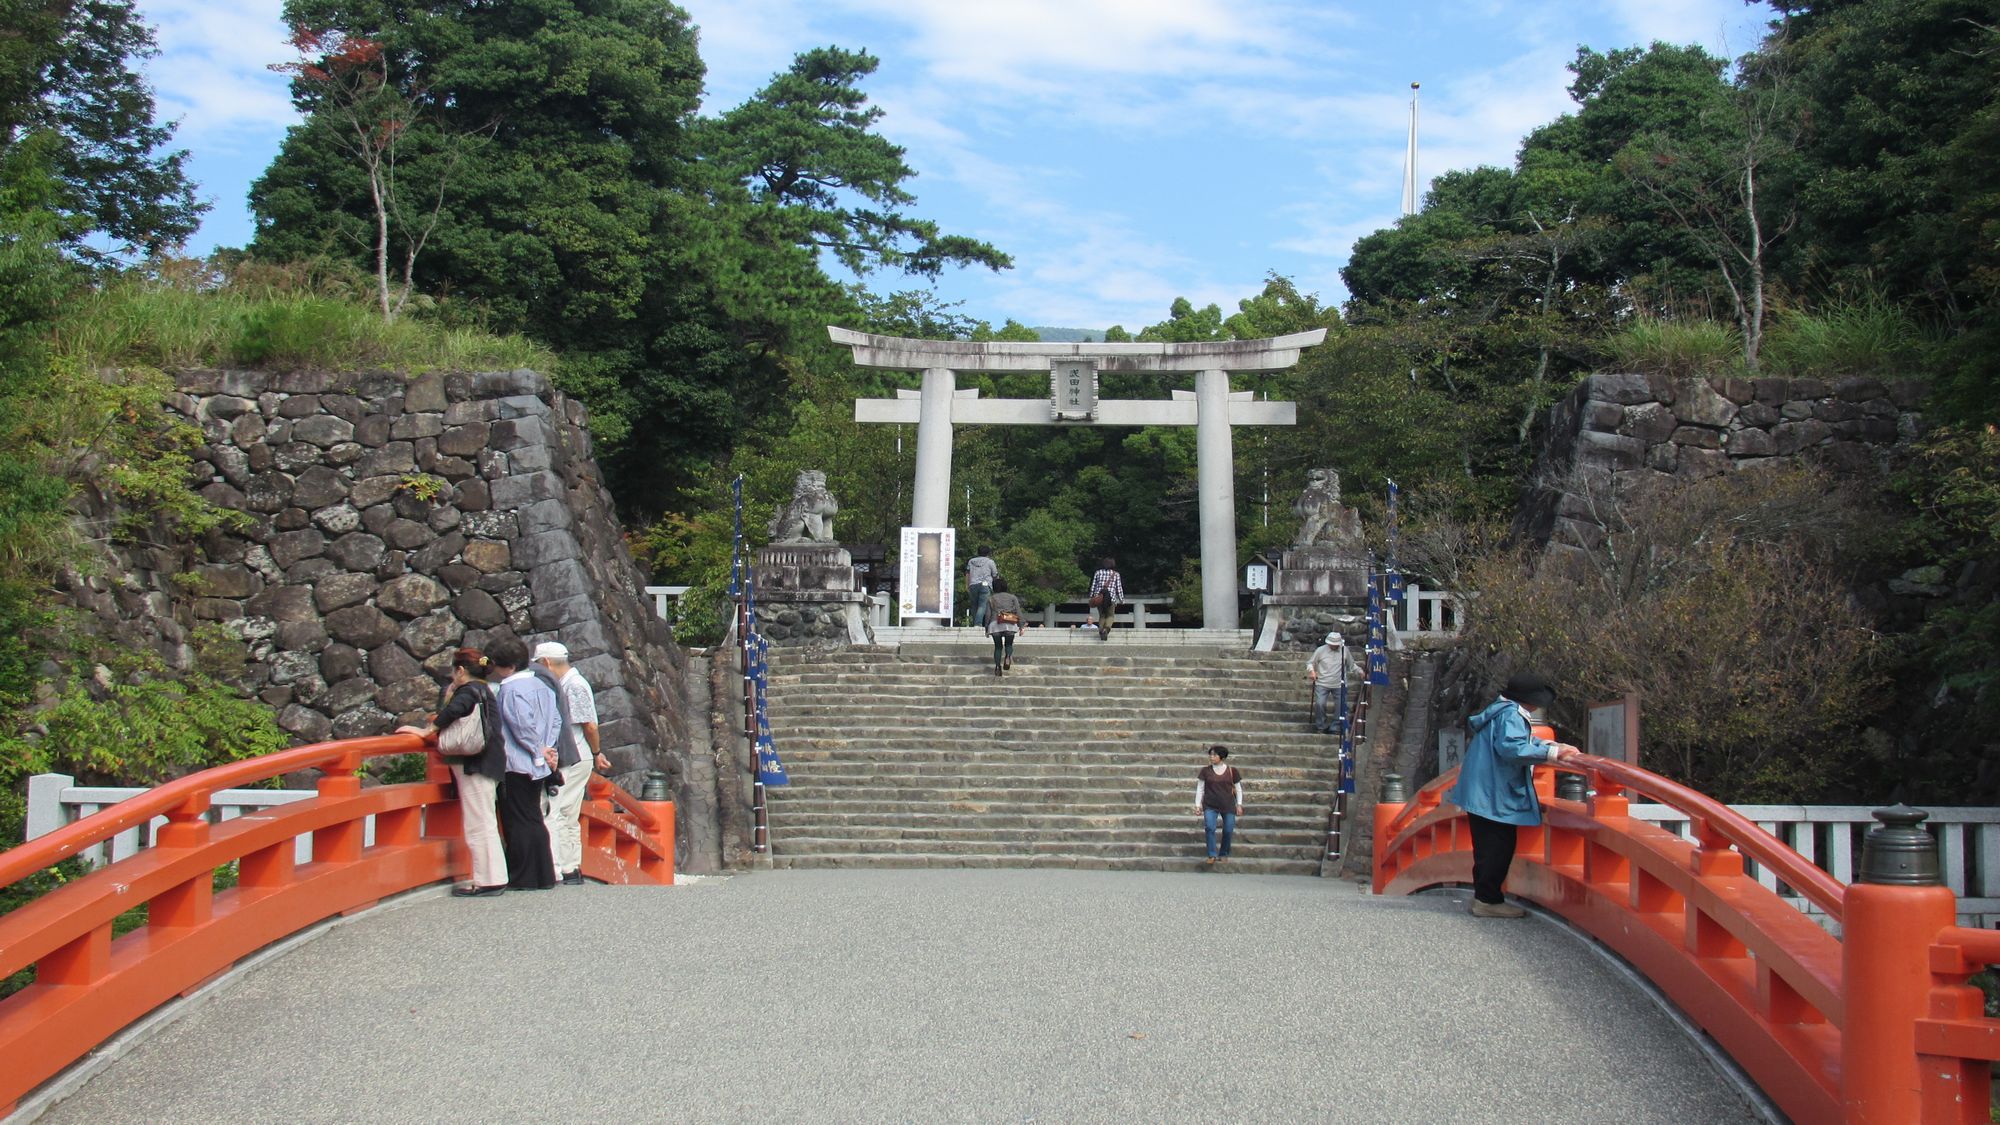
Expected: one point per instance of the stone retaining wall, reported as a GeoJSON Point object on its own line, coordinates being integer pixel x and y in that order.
{"type": "Point", "coordinates": [1629, 430]}
{"type": "Point", "coordinates": [393, 520]}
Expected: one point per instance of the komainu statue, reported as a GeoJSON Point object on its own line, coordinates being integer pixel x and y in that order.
{"type": "Point", "coordinates": [1323, 519]}
{"type": "Point", "coordinates": [809, 517]}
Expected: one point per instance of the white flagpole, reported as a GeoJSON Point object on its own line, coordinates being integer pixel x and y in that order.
{"type": "Point", "coordinates": [1410, 159]}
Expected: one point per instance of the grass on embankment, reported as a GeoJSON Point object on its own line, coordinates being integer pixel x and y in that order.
{"type": "Point", "coordinates": [144, 322]}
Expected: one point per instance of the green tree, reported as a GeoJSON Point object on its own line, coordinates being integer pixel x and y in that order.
{"type": "Point", "coordinates": [78, 140]}
{"type": "Point", "coordinates": [385, 134]}
{"type": "Point", "coordinates": [1903, 155]}
{"type": "Point", "coordinates": [805, 149]}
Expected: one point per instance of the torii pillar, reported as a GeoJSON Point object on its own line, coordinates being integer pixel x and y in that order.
{"type": "Point", "coordinates": [1073, 370]}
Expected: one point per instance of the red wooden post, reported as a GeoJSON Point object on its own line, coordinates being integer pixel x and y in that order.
{"type": "Point", "coordinates": [1890, 918]}
{"type": "Point", "coordinates": [1393, 798]}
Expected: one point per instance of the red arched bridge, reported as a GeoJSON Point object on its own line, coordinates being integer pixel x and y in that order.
{"type": "Point", "coordinates": [1876, 1025]}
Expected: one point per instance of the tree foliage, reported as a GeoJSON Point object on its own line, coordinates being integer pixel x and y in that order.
{"type": "Point", "coordinates": [79, 146]}
{"type": "Point", "coordinates": [1721, 604]}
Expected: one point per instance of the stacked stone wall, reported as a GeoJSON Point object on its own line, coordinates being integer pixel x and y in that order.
{"type": "Point", "coordinates": [1627, 431]}
{"type": "Point", "coordinates": [392, 520]}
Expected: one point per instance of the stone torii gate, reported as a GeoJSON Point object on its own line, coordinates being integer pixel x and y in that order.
{"type": "Point", "coordinates": [1073, 371]}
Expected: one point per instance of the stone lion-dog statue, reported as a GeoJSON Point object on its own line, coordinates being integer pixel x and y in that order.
{"type": "Point", "coordinates": [1318, 507]}
{"type": "Point", "coordinates": [809, 516]}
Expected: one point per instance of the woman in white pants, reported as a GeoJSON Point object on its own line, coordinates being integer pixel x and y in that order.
{"type": "Point", "coordinates": [478, 775]}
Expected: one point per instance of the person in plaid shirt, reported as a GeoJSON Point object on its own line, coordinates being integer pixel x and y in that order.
{"type": "Point", "coordinates": [1111, 587]}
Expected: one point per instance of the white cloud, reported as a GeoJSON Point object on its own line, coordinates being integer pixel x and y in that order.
{"type": "Point", "coordinates": [211, 73]}
{"type": "Point", "coordinates": [1727, 27]}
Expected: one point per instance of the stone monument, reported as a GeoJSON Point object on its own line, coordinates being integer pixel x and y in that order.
{"type": "Point", "coordinates": [808, 591]}
{"type": "Point", "coordinates": [1322, 580]}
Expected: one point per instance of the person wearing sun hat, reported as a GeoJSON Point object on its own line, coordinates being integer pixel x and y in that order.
{"type": "Point", "coordinates": [1496, 785]}
{"type": "Point", "coordinates": [579, 713]}
{"type": "Point", "coordinates": [1329, 667]}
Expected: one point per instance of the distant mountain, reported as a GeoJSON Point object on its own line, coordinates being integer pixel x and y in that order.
{"type": "Point", "coordinates": [1070, 335]}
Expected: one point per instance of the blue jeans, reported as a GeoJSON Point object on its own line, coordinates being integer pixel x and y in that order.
{"type": "Point", "coordinates": [1228, 819]}
{"type": "Point", "coordinates": [980, 594]}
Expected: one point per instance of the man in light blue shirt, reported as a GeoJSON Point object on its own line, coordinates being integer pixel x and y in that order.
{"type": "Point", "coordinates": [530, 725]}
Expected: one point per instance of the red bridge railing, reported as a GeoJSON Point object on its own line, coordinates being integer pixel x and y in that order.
{"type": "Point", "coordinates": [1876, 1026]}
{"type": "Point", "coordinates": [89, 985]}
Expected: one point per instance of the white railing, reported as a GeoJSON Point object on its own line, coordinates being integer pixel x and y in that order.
{"type": "Point", "coordinates": [665, 598]}
{"type": "Point", "coordinates": [55, 800]}
{"type": "Point", "coordinates": [1132, 612]}
{"type": "Point", "coordinates": [1428, 613]}
{"type": "Point", "coordinates": [1830, 836]}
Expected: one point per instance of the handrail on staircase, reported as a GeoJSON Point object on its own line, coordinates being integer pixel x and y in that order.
{"type": "Point", "coordinates": [88, 985]}
{"type": "Point", "coordinates": [1877, 1025]}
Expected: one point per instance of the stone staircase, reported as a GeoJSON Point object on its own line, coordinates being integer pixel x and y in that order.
{"type": "Point", "coordinates": [1084, 756]}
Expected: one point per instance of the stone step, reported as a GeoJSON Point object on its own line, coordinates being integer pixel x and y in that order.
{"type": "Point", "coordinates": [1187, 740]}
{"type": "Point", "coordinates": [1045, 789]}
{"type": "Point", "coordinates": [1029, 798]}
{"type": "Point", "coordinates": [1037, 669]}
{"type": "Point", "coordinates": [1007, 707]}
{"type": "Point", "coordinates": [849, 772]}
{"type": "Point", "coordinates": [1179, 835]}
{"type": "Point", "coordinates": [1057, 756]}
{"type": "Point", "coordinates": [926, 638]}
{"type": "Point", "coordinates": [1177, 864]}
{"type": "Point", "coordinates": [1091, 654]}
{"type": "Point", "coordinates": [1034, 669]}
{"type": "Point", "coordinates": [801, 822]}
{"type": "Point", "coordinates": [1243, 846]}
{"type": "Point", "coordinates": [1078, 757]}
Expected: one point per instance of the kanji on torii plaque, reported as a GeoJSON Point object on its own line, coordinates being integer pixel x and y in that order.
{"type": "Point", "coordinates": [1073, 371]}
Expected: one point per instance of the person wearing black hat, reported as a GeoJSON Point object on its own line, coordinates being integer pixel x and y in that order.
{"type": "Point", "coordinates": [1496, 785]}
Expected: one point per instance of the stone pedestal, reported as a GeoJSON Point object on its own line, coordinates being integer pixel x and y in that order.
{"type": "Point", "coordinates": [810, 594]}
{"type": "Point", "coordinates": [1316, 590]}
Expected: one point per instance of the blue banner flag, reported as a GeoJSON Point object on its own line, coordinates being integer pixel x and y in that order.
{"type": "Point", "coordinates": [736, 543]}
{"type": "Point", "coordinates": [770, 770]}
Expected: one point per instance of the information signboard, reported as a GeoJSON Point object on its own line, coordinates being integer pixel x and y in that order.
{"type": "Point", "coordinates": [928, 564]}
{"type": "Point", "coordinates": [1614, 729]}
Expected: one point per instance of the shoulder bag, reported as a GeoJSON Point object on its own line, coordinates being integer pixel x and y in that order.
{"type": "Point", "coordinates": [466, 736]}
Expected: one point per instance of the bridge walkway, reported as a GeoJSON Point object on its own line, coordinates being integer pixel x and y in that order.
{"type": "Point", "coordinates": [922, 995]}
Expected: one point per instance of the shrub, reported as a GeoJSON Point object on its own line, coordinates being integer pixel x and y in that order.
{"type": "Point", "coordinates": [1676, 347]}
{"type": "Point", "coordinates": [1717, 602]}
{"type": "Point", "coordinates": [195, 320]}
{"type": "Point", "coordinates": [1851, 338]}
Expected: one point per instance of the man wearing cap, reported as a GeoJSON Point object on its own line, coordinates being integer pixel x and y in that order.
{"type": "Point", "coordinates": [1496, 785]}
{"type": "Point", "coordinates": [1328, 668]}
{"type": "Point", "coordinates": [580, 716]}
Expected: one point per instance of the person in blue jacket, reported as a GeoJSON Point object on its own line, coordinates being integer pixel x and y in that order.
{"type": "Point", "coordinates": [1496, 785]}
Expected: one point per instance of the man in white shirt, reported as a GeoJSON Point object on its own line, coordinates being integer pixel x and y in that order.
{"type": "Point", "coordinates": [566, 807]}
{"type": "Point", "coordinates": [1327, 669]}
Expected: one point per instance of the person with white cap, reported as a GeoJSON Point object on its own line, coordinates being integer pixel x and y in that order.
{"type": "Point", "coordinates": [1327, 669]}
{"type": "Point", "coordinates": [565, 809]}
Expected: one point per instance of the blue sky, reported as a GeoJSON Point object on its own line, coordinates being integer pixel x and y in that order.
{"type": "Point", "coordinates": [1125, 152]}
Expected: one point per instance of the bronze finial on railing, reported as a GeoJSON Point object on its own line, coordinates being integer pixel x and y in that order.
{"type": "Point", "coordinates": [1898, 852]}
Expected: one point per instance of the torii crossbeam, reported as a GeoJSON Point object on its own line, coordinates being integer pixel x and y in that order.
{"type": "Point", "coordinates": [1073, 370]}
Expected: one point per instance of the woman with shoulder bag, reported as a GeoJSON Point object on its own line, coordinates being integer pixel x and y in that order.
{"type": "Point", "coordinates": [1003, 622]}
{"type": "Point", "coordinates": [467, 730]}
{"type": "Point", "coordinates": [1107, 589]}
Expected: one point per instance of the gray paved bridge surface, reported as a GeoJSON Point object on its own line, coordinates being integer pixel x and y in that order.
{"type": "Point", "coordinates": [925, 995]}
